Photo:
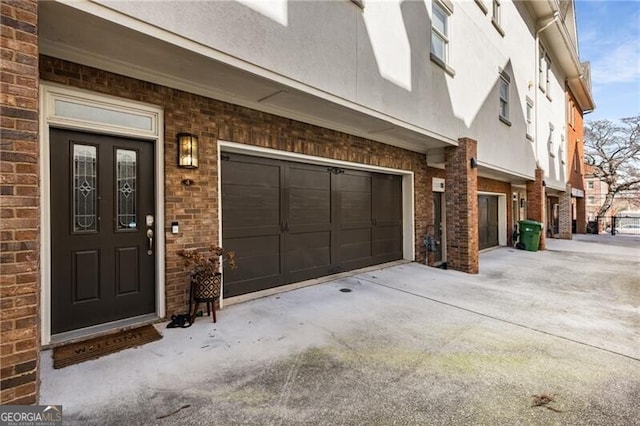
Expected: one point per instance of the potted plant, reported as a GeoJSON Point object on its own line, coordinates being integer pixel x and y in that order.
{"type": "Point", "coordinates": [205, 275]}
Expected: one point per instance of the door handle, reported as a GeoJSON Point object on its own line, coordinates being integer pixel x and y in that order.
{"type": "Point", "coordinates": [150, 238]}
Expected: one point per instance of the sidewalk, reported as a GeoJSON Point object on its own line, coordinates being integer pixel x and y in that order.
{"type": "Point", "coordinates": [408, 345]}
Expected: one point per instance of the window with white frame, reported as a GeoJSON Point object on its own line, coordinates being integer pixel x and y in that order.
{"type": "Point", "coordinates": [440, 32]}
{"type": "Point", "coordinates": [591, 199]}
{"type": "Point", "coordinates": [590, 184]}
{"type": "Point", "coordinates": [496, 18]}
{"type": "Point", "coordinates": [570, 116]}
{"type": "Point", "coordinates": [544, 71]}
{"type": "Point", "coordinates": [529, 119]}
{"type": "Point", "coordinates": [504, 96]}
{"type": "Point", "coordinates": [551, 129]}
{"type": "Point", "coordinates": [548, 76]}
{"type": "Point", "coordinates": [496, 11]}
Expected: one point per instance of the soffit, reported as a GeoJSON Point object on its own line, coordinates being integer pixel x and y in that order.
{"type": "Point", "coordinates": [68, 33]}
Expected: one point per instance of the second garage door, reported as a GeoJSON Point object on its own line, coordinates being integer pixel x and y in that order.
{"type": "Point", "coordinates": [288, 221]}
{"type": "Point", "coordinates": [487, 221]}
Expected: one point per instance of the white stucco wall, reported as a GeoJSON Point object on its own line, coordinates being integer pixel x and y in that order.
{"type": "Point", "coordinates": [378, 57]}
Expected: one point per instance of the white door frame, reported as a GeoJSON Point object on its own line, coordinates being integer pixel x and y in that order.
{"type": "Point", "coordinates": [408, 215]}
{"type": "Point", "coordinates": [75, 109]}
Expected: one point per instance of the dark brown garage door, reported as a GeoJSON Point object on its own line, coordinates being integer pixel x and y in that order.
{"type": "Point", "coordinates": [289, 222]}
{"type": "Point", "coordinates": [487, 221]}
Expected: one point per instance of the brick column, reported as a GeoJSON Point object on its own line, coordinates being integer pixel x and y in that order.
{"type": "Point", "coordinates": [461, 198]}
{"type": "Point", "coordinates": [565, 218]}
{"type": "Point", "coordinates": [20, 204]}
{"type": "Point", "coordinates": [536, 199]}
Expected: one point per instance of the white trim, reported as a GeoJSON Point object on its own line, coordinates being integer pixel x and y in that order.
{"type": "Point", "coordinates": [408, 204]}
{"type": "Point", "coordinates": [49, 93]}
{"type": "Point", "coordinates": [304, 158]}
{"type": "Point", "coordinates": [502, 215]}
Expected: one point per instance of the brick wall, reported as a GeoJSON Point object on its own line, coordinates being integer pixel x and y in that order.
{"type": "Point", "coordinates": [536, 200]}
{"type": "Point", "coordinates": [19, 204]}
{"type": "Point", "coordinates": [564, 214]}
{"type": "Point", "coordinates": [461, 198]}
{"type": "Point", "coordinates": [196, 206]}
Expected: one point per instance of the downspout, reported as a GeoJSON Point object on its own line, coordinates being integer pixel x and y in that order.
{"type": "Point", "coordinates": [536, 87]}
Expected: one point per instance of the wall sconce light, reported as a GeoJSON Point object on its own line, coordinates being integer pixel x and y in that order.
{"type": "Point", "coordinates": [187, 151]}
{"type": "Point", "coordinates": [474, 163]}
{"type": "Point", "coordinates": [544, 183]}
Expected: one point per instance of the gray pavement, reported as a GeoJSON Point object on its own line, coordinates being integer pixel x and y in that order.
{"type": "Point", "coordinates": [408, 345]}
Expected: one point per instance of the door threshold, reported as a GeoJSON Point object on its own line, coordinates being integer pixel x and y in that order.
{"type": "Point", "coordinates": [100, 330]}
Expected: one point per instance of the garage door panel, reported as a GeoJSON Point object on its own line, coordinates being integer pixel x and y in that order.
{"type": "Point", "coordinates": [258, 260]}
{"type": "Point", "coordinates": [387, 243]}
{"type": "Point", "coordinates": [387, 199]}
{"type": "Point", "coordinates": [264, 173]}
{"type": "Point", "coordinates": [308, 254]}
{"type": "Point", "coordinates": [352, 181]}
{"type": "Point", "coordinates": [309, 177]}
{"type": "Point", "coordinates": [309, 206]}
{"type": "Point", "coordinates": [245, 206]}
{"type": "Point", "coordinates": [354, 244]}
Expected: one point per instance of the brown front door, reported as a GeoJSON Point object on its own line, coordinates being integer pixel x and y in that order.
{"type": "Point", "coordinates": [102, 213]}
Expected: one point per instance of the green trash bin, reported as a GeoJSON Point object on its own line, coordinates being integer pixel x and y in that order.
{"type": "Point", "coordinates": [530, 234]}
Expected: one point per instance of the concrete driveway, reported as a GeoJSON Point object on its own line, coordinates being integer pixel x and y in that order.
{"type": "Point", "coordinates": [408, 345]}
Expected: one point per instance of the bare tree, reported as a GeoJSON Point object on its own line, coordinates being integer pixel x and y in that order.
{"type": "Point", "coordinates": [614, 152]}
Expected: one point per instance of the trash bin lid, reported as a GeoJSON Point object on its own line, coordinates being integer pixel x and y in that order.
{"type": "Point", "coordinates": [530, 223]}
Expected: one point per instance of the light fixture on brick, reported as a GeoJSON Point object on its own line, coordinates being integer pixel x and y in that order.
{"type": "Point", "coordinates": [187, 151]}
{"type": "Point", "coordinates": [473, 163]}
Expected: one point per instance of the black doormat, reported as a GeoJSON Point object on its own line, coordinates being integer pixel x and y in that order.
{"type": "Point", "coordinates": [74, 353]}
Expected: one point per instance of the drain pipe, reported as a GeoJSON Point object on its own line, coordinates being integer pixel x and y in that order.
{"type": "Point", "coordinates": [536, 87]}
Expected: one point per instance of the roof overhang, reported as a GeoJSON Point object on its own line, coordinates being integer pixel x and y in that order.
{"type": "Point", "coordinates": [94, 35]}
{"type": "Point", "coordinates": [565, 55]}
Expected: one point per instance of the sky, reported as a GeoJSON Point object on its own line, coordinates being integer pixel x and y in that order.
{"type": "Point", "coordinates": [609, 37]}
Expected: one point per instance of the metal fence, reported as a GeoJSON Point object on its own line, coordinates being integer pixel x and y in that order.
{"type": "Point", "coordinates": [615, 225]}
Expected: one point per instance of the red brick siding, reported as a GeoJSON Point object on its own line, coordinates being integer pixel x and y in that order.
{"type": "Point", "coordinates": [19, 204]}
{"type": "Point", "coordinates": [196, 206]}
{"type": "Point", "coordinates": [461, 195]}
{"type": "Point", "coordinates": [564, 213]}
{"type": "Point", "coordinates": [575, 163]}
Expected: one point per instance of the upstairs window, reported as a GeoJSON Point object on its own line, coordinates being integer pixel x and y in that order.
{"type": "Point", "coordinates": [440, 32]}
{"type": "Point", "coordinates": [544, 72]}
{"type": "Point", "coordinates": [496, 18]}
{"type": "Point", "coordinates": [504, 97]}
{"type": "Point", "coordinates": [551, 130]}
{"type": "Point", "coordinates": [570, 116]}
{"type": "Point", "coordinates": [529, 119]}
